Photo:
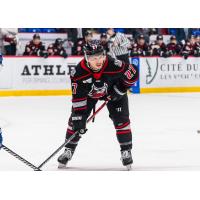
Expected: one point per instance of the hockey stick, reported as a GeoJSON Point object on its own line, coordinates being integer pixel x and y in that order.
{"type": "Point", "coordinates": [71, 138]}
{"type": "Point", "coordinates": [20, 158]}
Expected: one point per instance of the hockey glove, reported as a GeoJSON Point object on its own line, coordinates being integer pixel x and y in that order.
{"type": "Point", "coordinates": [79, 123]}
{"type": "Point", "coordinates": [1, 138]}
{"type": "Point", "coordinates": [117, 93]}
{"type": "Point", "coordinates": [64, 55]}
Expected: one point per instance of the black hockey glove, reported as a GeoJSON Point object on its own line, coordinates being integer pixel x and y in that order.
{"type": "Point", "coordinates": [170, 53]}
{"type": "Point", "coordinates": [185, 55]}
{"type": "Point", "coordinates": [79, 123]}
{"type": "Point", "coordinates": [117, 93]}
{"type": "Point", "coordinates": [164, 54]}
{"type": "Point", "coordinates": [64, 55]}
{"type": "Point", "coordinates": [196, 53]}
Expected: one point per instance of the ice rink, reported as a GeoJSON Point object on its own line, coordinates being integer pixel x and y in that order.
{"type": "Point", "coordinates": [164, 133]}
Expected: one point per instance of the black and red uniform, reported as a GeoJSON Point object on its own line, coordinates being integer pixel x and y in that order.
{"type": "Point", "coordinates": [197, 49]}
{"type": "Point", "coordinates": [32, 49]}
{"type": "Point", "coordinates": [88, 87]}
{"type": "Point", "coordinates": [173, 49]}
{"type": "Point", "coordinates": [55, 50]}
{"type": "Point", "coordinates": [187, 50]}
{"type": "Point", "coordinates": [79, 47]}
{"type": "Point", "coordinates": [139, 50]}
{"type": "Point", "coordinates": [158, 50]}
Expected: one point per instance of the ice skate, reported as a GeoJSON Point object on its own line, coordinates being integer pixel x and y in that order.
{"type": "Point", "coordinates": [64, 158]}
{"type": "Point", "coordinates": [126, 158]}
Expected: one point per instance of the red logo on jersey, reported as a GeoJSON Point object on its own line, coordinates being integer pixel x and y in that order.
{"type": "Point", "coordinates": [98, 92]}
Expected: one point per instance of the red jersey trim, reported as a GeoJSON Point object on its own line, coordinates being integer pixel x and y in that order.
{"type": "Point", "coordinates": [123, 125]}
{"type": "Point", "coordinates": [83, 108]}
{"type": "Point", "coordinates": [124, 132]}
{"type": "Point", "coordinates": [79, 99]}
{"type": "Point", "coordinates": [83, 66]}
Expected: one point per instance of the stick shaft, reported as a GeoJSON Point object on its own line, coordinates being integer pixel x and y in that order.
{"type": "Point", "coordinates": [20, 158]}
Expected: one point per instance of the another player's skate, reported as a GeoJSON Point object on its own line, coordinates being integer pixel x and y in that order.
{"type": "Point", "coordinates": [126, 158]}
{"type": "Point", "coordinates": [64, 158]}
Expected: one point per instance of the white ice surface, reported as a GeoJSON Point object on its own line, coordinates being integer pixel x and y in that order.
{"type": "Point", "coordinates": [164, 133]}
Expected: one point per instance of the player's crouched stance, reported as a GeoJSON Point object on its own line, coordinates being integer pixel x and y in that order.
{"type": "Point", "coordinates": [100, 77]}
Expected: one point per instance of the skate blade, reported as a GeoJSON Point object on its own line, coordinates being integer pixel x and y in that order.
{"type": "Point", "coordinates": [62, 166]}
{"type": "Point", "coordinates": [128, 167]}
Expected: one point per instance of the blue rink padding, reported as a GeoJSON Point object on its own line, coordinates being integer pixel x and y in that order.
{"type": "Point", "coordinates": [136, 87]}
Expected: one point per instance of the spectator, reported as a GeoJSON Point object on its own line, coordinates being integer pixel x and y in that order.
{"type": "Point", "coordinates": [10, 40]}
{"type": "Point", "coordinates": [118, 45]}
{"type": "Point", "coordinates": [158, 48]}
{"type": "Point", "coordinates": [104, 41]}
{"type": "Point", "coordinates": [173, 48]}
{"type": "Point", "coordinates": [81, 42]}
{"type": "Point", "coordinates": [140, 48]}
{"type": "Point", "coordinates": [57, 48]}
{"type": "Point", "coordinates": [35, 47]}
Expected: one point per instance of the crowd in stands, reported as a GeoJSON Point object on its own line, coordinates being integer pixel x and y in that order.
{"type": "Point", "coordinates": [183, 41]}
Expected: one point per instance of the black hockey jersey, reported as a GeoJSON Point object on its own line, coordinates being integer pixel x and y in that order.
{"type": "Point", "coordinates": [98, 85]}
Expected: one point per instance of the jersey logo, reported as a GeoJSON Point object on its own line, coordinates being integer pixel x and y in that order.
{"type": "Point", "coordinates": [98, 92]}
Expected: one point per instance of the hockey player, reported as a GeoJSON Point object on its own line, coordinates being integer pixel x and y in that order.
{"type": "Point", "coordinates": [139, 48]}
{"type": "Point", "coordinates": [100, 77]}
{"type": "Point", "coordinates": [158, 48]}
{"type": "Point", "coordinates": [82, 42]}
{"type": "Point", "coordinates": [57, 49]}
{"type": "Point", "coordinates": [188, 48]}
{"type": "Point", "coordinates": [173, 47]}
{"type": "Point", "coordinates": [197, 46]}
{"type": "Point", "coordinates": [1, 138]}
{"type": "Point", "coordinates": [35, 47]}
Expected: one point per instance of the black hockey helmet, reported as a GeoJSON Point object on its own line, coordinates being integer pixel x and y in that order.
{"type": "Point", "coordinates": [93, 47]}
{"type": "Point", "coordinates": [58, 41]}
{"type": "Point", "coordinates": [141, 36]}
{"type": "Point", "coordinates": [159, 37]}
{"type": "Point", "coordinates": [87, 33]}
{"type": "Point", "coordinates": [36, 36]}
{"type": "Point", "coordinates": [103, 35]}
{"type": "Point", "coordinates": [173, 37]}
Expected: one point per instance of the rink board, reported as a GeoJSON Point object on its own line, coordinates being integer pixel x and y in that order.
{"type": "Point", "coordinates": [33, 76]}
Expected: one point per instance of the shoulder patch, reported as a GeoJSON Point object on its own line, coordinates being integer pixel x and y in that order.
{"type": "Point", "coordinates": [118, 63]}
